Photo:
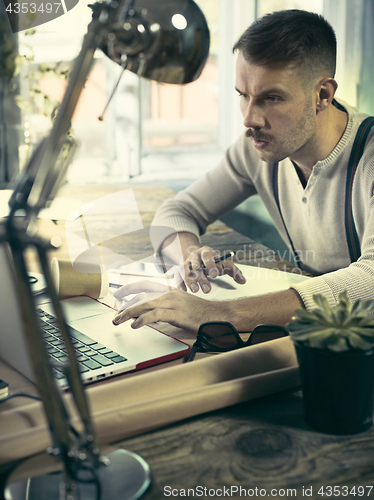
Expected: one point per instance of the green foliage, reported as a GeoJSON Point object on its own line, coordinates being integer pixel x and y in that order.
{"type": "Point", "coordinates": [48, 104]}
{"type": "Point", "coordinates": [10, 66]}
{"type": "Point", "coordinates": [345, 327]}
{"type": "Point", "coordinates": [10, 62]}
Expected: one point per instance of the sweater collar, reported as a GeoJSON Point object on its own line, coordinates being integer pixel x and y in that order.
{"type": "Point", "coordinates": [354, 119]}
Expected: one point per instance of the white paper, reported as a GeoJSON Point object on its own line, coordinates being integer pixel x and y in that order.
{"type": "Point", "coordinates": [260, 280]}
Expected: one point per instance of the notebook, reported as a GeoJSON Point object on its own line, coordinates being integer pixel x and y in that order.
{"type": "Point", "coordinates": [103, 350]}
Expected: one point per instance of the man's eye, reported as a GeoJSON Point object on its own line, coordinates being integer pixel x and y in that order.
{"type": "Point", "coordinates": [272, 98]}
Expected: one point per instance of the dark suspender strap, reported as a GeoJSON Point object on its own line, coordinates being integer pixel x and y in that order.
{"type": "Point", "coordinates": [276, 197]}
{"type": "Point", "coordinates": [356, 154]}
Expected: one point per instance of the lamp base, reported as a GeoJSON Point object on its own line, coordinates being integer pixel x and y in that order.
{"type": "Point", "coordinates": [128, 477]}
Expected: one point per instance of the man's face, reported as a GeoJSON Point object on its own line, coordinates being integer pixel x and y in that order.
{"type": "Point", "coordinates": [279, 115]}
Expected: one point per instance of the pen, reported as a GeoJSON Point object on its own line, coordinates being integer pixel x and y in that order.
{"type": "Point", "coordinates": [226, 255]}
{"type": "Point", "coordinates": [115, 285]}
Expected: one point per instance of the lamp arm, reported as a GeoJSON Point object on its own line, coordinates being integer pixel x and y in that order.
{"type": "Point", "coordinates": [32, 193]}
{"type": "Point", "coordinates": [87, 440]}
{"type": "Point", "coordinates": [46, 175]}
{"type": "Point", "coordinates": [43, 175]}
{"type": "Point", "coordinates": [53, 404]}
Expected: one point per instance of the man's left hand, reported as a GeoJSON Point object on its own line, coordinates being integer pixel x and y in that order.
{"type": "Point", "coordinates": [156, 302]}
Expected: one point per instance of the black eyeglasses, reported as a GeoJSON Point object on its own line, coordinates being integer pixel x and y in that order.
{"type": "Point", "coordinates": [221, 336]}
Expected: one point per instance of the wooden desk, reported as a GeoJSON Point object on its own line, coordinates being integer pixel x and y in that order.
{"type": "Point", "coordinates": [148, 199]}
{"type": "Point", "coordinates": [261, 444]}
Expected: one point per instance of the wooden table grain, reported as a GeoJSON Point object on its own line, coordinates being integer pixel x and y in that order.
{"type": "Point", "coordinates": [263, 444]}
{"type": "Point", "coordinates": [261, 448]}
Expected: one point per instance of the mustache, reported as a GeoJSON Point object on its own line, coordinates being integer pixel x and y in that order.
{"type": "Point", "coordinates": [257, 135]}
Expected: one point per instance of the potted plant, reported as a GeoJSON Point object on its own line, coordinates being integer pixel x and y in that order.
{"type": "Point", "coordinates": [335, 350]}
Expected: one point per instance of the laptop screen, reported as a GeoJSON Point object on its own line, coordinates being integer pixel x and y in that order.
{"type": "Point", "coordinates": [13, 348]}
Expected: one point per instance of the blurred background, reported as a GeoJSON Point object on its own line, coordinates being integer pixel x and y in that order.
{"type": "Point", "coordinates": [156, 133]}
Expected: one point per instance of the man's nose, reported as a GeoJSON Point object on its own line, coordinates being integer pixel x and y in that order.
{"type": "Point", "coordinates": [253, 117]}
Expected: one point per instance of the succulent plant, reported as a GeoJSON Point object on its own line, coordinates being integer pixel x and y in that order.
{"type": "Point", "coordinates": [346, 326]}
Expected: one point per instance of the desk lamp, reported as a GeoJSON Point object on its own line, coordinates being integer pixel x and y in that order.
{"type": "Point", "coordinates": [166, 41]}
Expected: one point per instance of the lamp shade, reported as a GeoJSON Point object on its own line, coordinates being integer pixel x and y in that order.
{"type": "Point", "coordinates": [163, 40]}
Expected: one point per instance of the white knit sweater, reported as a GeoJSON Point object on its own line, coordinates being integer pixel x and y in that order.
{"type": "Point", "coordinates": [314, 216]}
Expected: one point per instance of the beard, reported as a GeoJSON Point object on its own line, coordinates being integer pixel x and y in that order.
{"type": "Point", "coordinates": [288, 142]}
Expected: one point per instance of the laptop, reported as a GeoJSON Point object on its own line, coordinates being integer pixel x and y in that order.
{"type": "Point", "coordinates": [103, 350]}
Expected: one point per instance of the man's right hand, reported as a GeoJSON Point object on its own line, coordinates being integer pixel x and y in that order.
{"type": "Point", "coordinates": [199, 263]}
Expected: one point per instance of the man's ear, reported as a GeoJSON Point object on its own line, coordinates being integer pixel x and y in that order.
{"type": "Point", "coordinates": [325, 93]}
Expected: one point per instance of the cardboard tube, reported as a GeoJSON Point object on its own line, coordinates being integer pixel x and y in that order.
{"type": "Point", "coordinates": [72, 283]}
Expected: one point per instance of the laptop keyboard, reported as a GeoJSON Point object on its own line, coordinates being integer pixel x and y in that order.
{"type": "Point", "coordinates": [91, 355]}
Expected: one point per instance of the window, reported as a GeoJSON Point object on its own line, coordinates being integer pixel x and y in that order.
{"type": "Point", "coordinates": [144, 118]}
{"type": "Point", "coordinates": [266, 6]}
{"type": "Point", "coordinates": [147, 123]}
{"type": "Point", "coordinates": [177, 118]}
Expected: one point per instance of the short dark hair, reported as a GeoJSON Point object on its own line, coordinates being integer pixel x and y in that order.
{"type": "Point", "coordinates": [291, 36]}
